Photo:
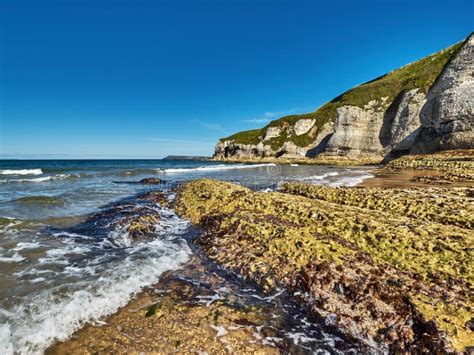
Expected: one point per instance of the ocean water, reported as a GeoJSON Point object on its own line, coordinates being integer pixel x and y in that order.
{"type": "Point", "coordinates": [64, 259]}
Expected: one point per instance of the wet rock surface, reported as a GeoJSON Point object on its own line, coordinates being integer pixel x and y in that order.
{"type": "Point", "coordinates": [157, 197]}
{"type": "Point", "coordinates": [151, 181]}
{"type": "Point", "coordinates": [203, 309]}
{"type": "Point", "coordinates": [454, 166]}
{"type": "Point", "coordinates": [442, 205]}
{"type": "Point", "coordinates": [397, 280]}
{"type": "Point", "coordinates": [146, 181]}
{"type": "Point", "coordinates": [199, 308]}
{"type": "Point", "coordinates": [129, 221]}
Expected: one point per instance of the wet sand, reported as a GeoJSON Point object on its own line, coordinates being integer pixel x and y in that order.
{"type": "Point", "coordinates": [395, 179]}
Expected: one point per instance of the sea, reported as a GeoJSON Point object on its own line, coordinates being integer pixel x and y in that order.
{"type": "Point", "coordinates": [61, 267]}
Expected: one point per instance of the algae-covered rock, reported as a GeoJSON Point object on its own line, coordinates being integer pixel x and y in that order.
{"type": "Point", "coordinates": [158, 197]}
{"type": "Point", "coordinates": [453, 161]}
{"type": "Point", "coordinates": [172, 324]}
{"type": "Point", "coordinates": [430, 204]}
{"type": "Point", "coordinates": [151, 181]}
{"type": "Point", "coordinates": [393, 278]}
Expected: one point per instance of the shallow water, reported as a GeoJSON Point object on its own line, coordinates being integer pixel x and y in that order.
{"type": "Point", "coordinates": [60, 269]}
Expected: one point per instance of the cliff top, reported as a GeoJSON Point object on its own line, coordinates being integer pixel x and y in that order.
{"type": "Point", "coordinates": [381, 91]}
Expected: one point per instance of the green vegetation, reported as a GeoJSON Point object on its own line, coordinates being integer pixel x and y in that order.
{"type": "Point", "coordinates": [424, 204]}
{"type": "Point", "coordinates": [452, 161]}
{"type": "Point", "coordinates": [245, 137]}
{"type": "Point", "coordinates": [421, 74]}
{"type": "Point", "coordinates": [397, 272]}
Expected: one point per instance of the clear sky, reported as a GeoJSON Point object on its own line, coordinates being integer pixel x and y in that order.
{"type": "Point", "coordinates": [138, 78]}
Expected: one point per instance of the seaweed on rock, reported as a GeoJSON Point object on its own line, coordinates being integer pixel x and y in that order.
{"type": "Point", "coordinates": [391, 279]}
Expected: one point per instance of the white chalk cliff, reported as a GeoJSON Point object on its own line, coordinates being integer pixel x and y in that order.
{"type": "Point", "coordinates": [422, 107]}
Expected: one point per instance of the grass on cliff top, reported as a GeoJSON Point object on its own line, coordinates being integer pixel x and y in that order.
{"type": "Point", "coordinates": [420, 74]}
{"type": "Point", "coordinates": [245, 137]}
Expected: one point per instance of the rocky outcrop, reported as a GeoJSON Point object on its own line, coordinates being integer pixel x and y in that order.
{"type": "Point", "coordinates": [303, 126]}
{"type": "Point", "coordinates": [391, 268]}
{"type": "Point", "coordinates": [285, 140]}
{"type": "Point", "coordinates": [356, 130]}
{"type": "Point", "coordinates": [447, 117]}
{"type": "Point", "coordinates": [228, 148]}
{"type": "Point", "coordinates": [423, 107]}
{"type": "Point", "coordinates": [401, 123]}
{"type": "Point", "coordinates": [272, 132]}
{"type": "Point", "coordinates": [374, 130]}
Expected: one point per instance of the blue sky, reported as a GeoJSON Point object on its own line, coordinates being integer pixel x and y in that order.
{"type": "Point", "coordinates": [143, 79]}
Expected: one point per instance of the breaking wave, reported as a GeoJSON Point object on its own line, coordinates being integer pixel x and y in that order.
{"type": "Point", "coordinates": [21, 172]}
{"type": "Point", "coordinates": [101, 278]}
{"type": "Point", "coordinates": [336, 179]}
{"type": "Point", "coordinates": [215, 168]}
{"type": "Point", "coordinates": [44, 178]}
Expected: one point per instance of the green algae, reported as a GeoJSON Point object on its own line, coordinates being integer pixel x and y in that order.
{"type": "Point", "coordinates": [151, 311]}
{"type": "Point", "coordinates": [277, 238]}
{"type": "Point", "coordinates": [455, 162]}
{"type": "Point", "coordinates": [430, 204]}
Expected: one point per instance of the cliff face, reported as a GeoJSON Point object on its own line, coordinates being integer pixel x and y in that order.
{"type": "Point", "coordinates": [425, 106]}
{"type": "Point", "coordinates": [447, 118]}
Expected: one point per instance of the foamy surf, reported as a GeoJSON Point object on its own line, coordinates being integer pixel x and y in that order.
{"type": "Point", "coordinates": [215, 168]}
{"type": "Point", "coordinates": [54, 318]}
{"type": "Point", "coordinates": [338, 178]}
{"type": "Point", "coordinates": [15, 258]}
{"type": "Point", "coordinates": [351, 180]}
{"type": "Point", "coordinates": [43, 178]}
{"type": "Point", "coordinates": [21, 172]}
{"type": "Point", "coordinates": [88, 280]}
{"type": "Point", "coordinates": [321, 176]}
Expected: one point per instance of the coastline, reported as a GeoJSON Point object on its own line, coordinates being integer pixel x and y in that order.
{"type": "Point", "coordinates": [174, 315]}
{"type": "Point", "coordinates": [329, 160]}
{"type": "Point", "coordinates": [218, 243]}
{"type": "Point", "coordinates": [200, 308]}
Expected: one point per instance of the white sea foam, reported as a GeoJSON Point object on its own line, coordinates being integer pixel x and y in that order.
{"type": "Point", "coordinates": [26, 245]}
{"type": "Point", "coordinates": [321, 176]}
{"type": "Point", "coordinates": [21, 172]}
{"type": "Point", "coordinates": [44, 178]}
{"type": "Point", "coordinates": [15, 258]}
{"type": "Point", "coordinates": [336, 179]}
{"type": "Point", "coordinates": [215, 168]}
{"type": "Point", "coordinates": [56, 318]}
{"type": "Point", "coordinates": [39, 179]}
{"type": "Point", "coordinates": [99, 286]}
{"type": "Point", "coordinates": [6, 347]}
{"type": "Point", "coordinates": [38, 279]}
{"type": "Point", "coordinates": [351, 180]}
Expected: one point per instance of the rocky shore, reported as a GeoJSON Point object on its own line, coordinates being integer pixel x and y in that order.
{"type": "Point", "coordinates": [202, 309]}
{"type": "Point", "coordinates": [390, 267]}
{"type": "Point", "coordinates": [387, 266]}
{"type": "Point", "coordinates": [320, 160]}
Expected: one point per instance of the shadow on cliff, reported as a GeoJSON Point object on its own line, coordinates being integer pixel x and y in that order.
{"type": "Point", "coordinates": [320, 148]}
{"type": "Point", "coordinates": [386, 131]}
{"type": "Point", "coordinates": [404, 147]}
